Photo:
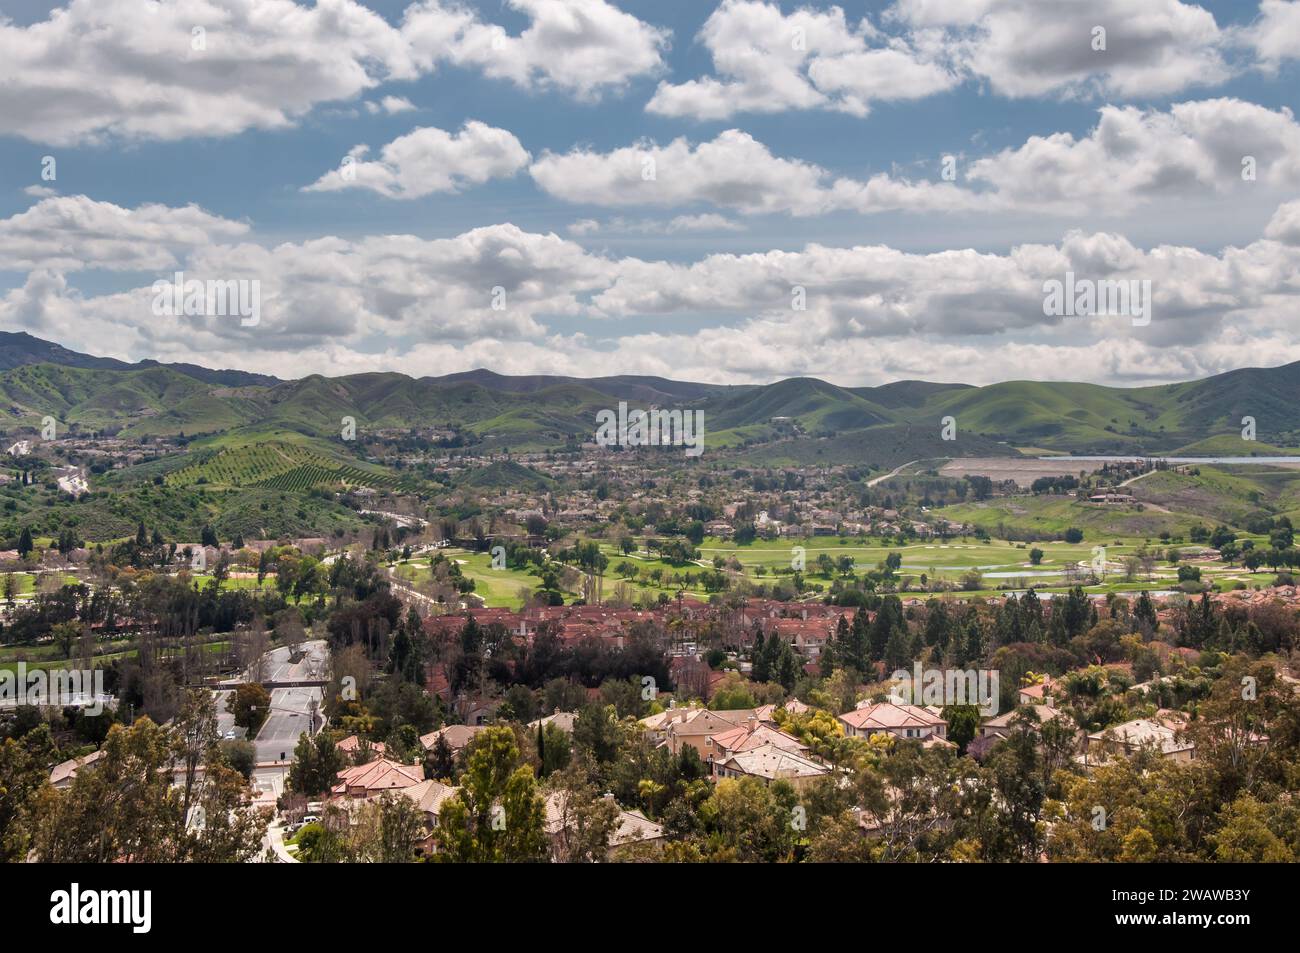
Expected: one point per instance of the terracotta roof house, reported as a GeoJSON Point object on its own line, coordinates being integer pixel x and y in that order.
{"type": "Point", "coordinates": [901, 721]}
{"type": "Point", "coordinates": [679, 727]}
{"type": "Point", "coordinates": [561, 719]}
{"type": "Point", "coordinates": [428, 797]}
{"type": "Point", "coordinates": [64, 774]}
{"type": "Point", "coordinates": [1038, 694]}
{"type": "Point", "coordinates": [1000, 725]}
{"type": "Point", "coordinates": [367, 780]}
{"type": "Point", "coordinates": [1135, 735]}
{"type": "Point", "coordinates": [352, 744]}
{"type": "Point", "coordinates": [458, 736]}
{"type": "Point", "coordinates": [750, 736]}
{"type": "Point", "coordinates": [770, 763]}
{"type": "Point", "coordinates": [631, 827]}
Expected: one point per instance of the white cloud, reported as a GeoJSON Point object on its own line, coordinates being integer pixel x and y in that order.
{"type": "Point", "coordinates": [1130, 158]}
{"type": "Point", "coordinates": [428, 160]}
{"type": "Point", "coordinates": [733, 171]}
{"type": "Point", "coordinates": [1284, 226]}
{"type": "Point", "coordinates": [766, 61]}
{"type": "Point", "coordinates": [1275, 36]}
{"type": "Point", "coordinates": [873, 312]}
{"type": "Point", "coordinates": [1135, 155]}
{"type": "Point", "coordinates": [136, 69]}
{"type": "Point", "coordinates": [769, 62]}
{"type": "Point", "coordinates": [389, 105]}
{"type": "Point", "coordinates": [580, 47]}
{"type": "Point", "coordinates": [129, 68]}
{"type": "Point", "coordinates": [1032, 48]}
{"type": "Point", "coordinates": [73, 233]}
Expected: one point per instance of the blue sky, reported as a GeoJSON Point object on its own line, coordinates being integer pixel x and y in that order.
{"type": "Point", "coordinates": [649, 286]}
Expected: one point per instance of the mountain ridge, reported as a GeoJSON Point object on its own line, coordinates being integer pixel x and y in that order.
{"type": "Point", "coordinates": [552, 411]}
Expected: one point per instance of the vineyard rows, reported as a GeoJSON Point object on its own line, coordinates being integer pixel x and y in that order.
{"type": "Point", "coordinates": [276, 466]}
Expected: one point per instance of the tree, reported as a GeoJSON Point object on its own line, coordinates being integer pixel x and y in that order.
{"type": "Point", "coordinates": [250, 703]}
{"type": "Point", "coordinates": [963, 722]}
{"type": "Point", "coordinates": [25, 543]}
{"type": "Point", "coordinates": [751, 821]}
{"type": "Point", "coordinates": [596, 732]}
{"type": "Point", "coordinates": [497, 814]}
{"type": "Point", "coordinates": [441, 763]}
{"type": "Point", "coordinates": [387, 830]}
{"type": "Point", "coordinates": [316, 764]}
{"type": "Point", "coordinates": [125, 807]}
{"type": "Point", "coordinates": [587, 821]}
{"type": "Point", "coordinates": [23, 774]}
{"type": "Point", "coordinates": [555, 750]}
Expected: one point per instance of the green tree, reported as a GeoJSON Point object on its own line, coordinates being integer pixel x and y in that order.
{"type": "Point", "coordinates": [497, 814]}
{"type": "Point", "coordinates": [316, 764]}
{"type": "Point", "coordinates": [23, 774]}
{"type": "Point", "coordinates": [250, 703]}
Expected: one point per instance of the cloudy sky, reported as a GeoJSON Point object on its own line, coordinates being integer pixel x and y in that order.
{"type": "Point", "coordinates": [651, 186]}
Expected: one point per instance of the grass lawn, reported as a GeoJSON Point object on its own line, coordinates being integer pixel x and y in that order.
{"type": "Point", "coordinates": [497, 587]}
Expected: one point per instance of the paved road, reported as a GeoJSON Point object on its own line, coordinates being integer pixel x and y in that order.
{"type": "Point", "coordinates": [225, 720]}
{"type": "Point", "coordinates": [289, 718]}
{"type": "Point", "coordinates": [892, 473]}
{"type": "Point", "coordinates": [278, 668]}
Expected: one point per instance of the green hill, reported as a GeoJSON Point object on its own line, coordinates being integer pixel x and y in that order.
{"type": "Point", "coordinates": [545, 412]}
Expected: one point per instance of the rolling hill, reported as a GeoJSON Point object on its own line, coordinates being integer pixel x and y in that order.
{"type": "Point", "coordinates": [797, 419]}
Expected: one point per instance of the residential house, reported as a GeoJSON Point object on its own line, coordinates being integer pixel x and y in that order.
{"type": "Point", "coordinates": [1132, 736]}
{"type": "Point", "coordinates": [901, 721]}
{"type": "Point", "coordinates": [770, 763]}
{"type": "Point", "coordinates": [631, 827]}
{"type": "Point", "coordinates": [999, 726]}
{"type": "Point", "coordinates": [1038, 694]}
{"type": "Point", "coordinates": [376, 777]}
{"type": "Point", "coordinates": [679, 727]}
{"type": "Point", "coordinates": [65, 773]}
{"type": "Point", "coordinates": [457, 737]}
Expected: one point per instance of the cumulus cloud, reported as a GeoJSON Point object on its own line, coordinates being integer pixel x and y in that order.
{"type": "Point", "coordinates": [1275, 35]}
{"type": "Point", "coordinates": [733, 171]}
{"type": "Point", "coordinates": [134, 68]}
{"type": "Point", "coordinates": [872, 312]}
{"type": "Point", "coordinates": [1284, 226]}
{"type": "Point", "coordinates": [428, 160]}
{"type": "Point", "coordinates": [137, 69]}
{"type": "Point", "coordinates": [1032, 48]}
{"type": "Point", "coordinates": [769, 62]}
{"type": "Point", "coordinates": [1133, 155]}
{"type": "Point", "coordinates": [580, 47]}
{"type": "Point", "coordinates": [389, 106]}
{"type": "Point", "coordinates": [487, 282]}
{"type": "Point", "coordinates": [73, 233]}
